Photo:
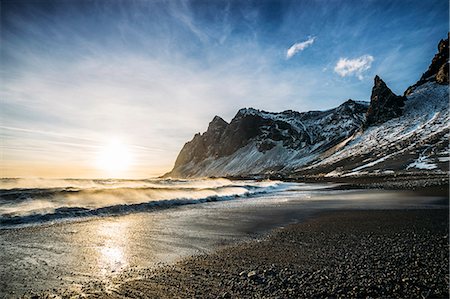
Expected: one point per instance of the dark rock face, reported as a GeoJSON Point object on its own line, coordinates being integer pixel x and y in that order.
{"type": "Point", "coordinates": [251, 124]}
{"type": "Point", "coordinates": [200, 146]}
{"type": "Point", "coordinates": [438, 69]}
{"type": "Point", "coordinates": [384, 104]}
{"type": "Point", "coordinates": [291, 130]}
{"type": "Point", "coordinates": [317, 142]}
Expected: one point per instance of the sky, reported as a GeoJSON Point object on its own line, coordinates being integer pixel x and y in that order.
{"type": "Point", "coordinates": [80, 79]}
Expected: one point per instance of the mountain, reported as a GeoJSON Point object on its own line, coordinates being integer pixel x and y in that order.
{"type": "Point", "coordinates": [438, 69]}
{"type": "Point", "coordinates": [257, 142]}
{"type": "Point", "coordinates": [384, 104]}
{"type": "Point", "coordinates": [415, 141]}
{"type": "Point", "coordinates": [392, 133]}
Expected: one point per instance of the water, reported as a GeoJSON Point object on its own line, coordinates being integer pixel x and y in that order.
{"type": "Point", "coordinates": [32, 202]}
{"type": "Point", "coordinates": [66, 233]}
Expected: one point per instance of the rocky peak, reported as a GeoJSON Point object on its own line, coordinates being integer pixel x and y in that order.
{"type": "Point", "coordinates": [200, 146]}
{"type": "Point", "coordinates": [351, 105]}
{"type": "Point", "coordinates": [442, 62]}
{"type": "Point", "coordinates": [438, 69]}
{"type": "Point", "coordinates": [379, 83]}
{"type": "Point", "coordinates": [217, 124]}
{"type": "Point", "coordinates": [384, 104]}
{"type": "Point", "coordinates": [270, 135]}
{"type": "Point", "coordinates": [349, 102]}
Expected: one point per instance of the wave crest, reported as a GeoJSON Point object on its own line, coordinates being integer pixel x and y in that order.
{"type": "Point", "coordinates": [19, 206]}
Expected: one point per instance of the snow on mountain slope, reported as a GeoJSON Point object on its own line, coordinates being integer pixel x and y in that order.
{"type": "Point", "coordinates": [325, 143]}
{"type": "Point", "coordinates": [416, 140]}
{"type": "Point", "coordinates": [392, 134]}
{"type": "Point", "coordinates": [258, 142]}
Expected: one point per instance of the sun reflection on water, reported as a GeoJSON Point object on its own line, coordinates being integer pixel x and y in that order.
{"type": "Point", "coordinates": [113, 237]}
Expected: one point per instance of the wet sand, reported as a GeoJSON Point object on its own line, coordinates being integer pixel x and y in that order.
{"type": "Point", "coordinates": [356, 254]}
{"type": "Point", "coordinates": [107, 256]}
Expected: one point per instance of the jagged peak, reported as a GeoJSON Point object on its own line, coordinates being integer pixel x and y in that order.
{"type": "Point", "coordinates": [351, 102]}
{"type": "Point", "coordinates": [351, 106]}
{"type": "Point", "coordinates": [217, 122]}
{"type": "Point", "coordinates": [377, 81]}
{"type": "Point", "coordinates": [384, 104]}
{"type": "Point", "coordinates": [438, 69]}
{"type": "Point", "coordinates": [443, 44]}
{"type": "Point", "coordinates": [346, 104]}
{"type": "Point", "coordinates": [218, 119]}
{"type": "Point", "coordinates": [380, 85]}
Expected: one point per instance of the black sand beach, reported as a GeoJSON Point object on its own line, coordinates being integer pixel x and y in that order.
{"type": "Point", "coordinates": [224, 149]}
{"type": "Point", "coordinates": [362, 254]}
{"type": "Point", "coordinates": [389, 244]}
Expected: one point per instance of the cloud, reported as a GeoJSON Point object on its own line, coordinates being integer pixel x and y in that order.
{"type": "Point", "coordinates": [346, 67]}
{"type": "Point", "coordinates": [297, 47]}
{"type": "Point", "coordinates": [109, 95]}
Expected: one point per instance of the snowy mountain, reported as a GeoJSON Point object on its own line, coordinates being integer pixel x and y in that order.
{"type": "Point", "coordinates": [256, 142]}
{"type": "Point", "coordinates": [415, 141]}
{"type": "Point", "coordinates": [384, 104]}
{"type": "Point", "coordinates": [393, 133]}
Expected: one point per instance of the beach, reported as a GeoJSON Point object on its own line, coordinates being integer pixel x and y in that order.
{"type": "Point", "coordinates": [312, 240]}
{"type": "Point", "coordinates": [358, 254]}
{"type": "Point", "coordinates": [224, 149]}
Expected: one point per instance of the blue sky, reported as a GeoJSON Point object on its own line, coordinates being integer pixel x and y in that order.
{"type": "Point", "coordinates": [76, 74]}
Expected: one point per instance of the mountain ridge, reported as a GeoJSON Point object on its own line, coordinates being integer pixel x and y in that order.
{"type": "Point", "coordinates": [268, 133]}
{"type": "Point", "coordinates": [346, 140]}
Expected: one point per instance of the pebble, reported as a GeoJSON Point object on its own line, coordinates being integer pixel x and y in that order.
{"type": "Point", "coordinates": [364, 257]}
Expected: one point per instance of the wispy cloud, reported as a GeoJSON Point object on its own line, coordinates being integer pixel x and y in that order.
{"type": "Point", "coordinates": [297, 47]}
{"type": "Point", "coordinates": [118, 94]}
{"type": "Point", "coordinates": [68, 89]}
{"type": "Point", "coordinates": [357, 66]}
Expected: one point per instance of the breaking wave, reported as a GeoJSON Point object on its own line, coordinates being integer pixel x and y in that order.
{"type": "Point", "coordinates": [29, 202]}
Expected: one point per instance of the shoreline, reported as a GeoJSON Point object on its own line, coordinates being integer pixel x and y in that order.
{"type": "Point", "coordinates": [101, 256]}
{"type": "Point", "coordinates": [423, 184]}
{"type": "Point", "coordinates": [395, 181]}
{"type": "Point", "coordinates": [345, 253]}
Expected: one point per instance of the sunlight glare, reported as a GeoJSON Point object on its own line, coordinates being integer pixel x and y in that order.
{"type": "Point", "coordinates": [114, 158]}
{"type": "Point", "coordinates": [112, 253]}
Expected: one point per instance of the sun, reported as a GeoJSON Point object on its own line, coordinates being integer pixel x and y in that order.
{"type": "Point", "coordinates": [114, 158]}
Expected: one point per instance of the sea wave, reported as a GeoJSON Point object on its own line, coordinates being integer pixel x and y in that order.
{"type": "Point", "coordinates": [76, 212]}
{"type": "Point", "coordinates": [87, 198]}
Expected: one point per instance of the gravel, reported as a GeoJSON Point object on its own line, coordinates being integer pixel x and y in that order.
{"type": "Point", "coordinates": [363, 254]}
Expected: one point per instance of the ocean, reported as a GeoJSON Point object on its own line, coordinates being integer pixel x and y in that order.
{"type": "Point", "coordinates": [66, 233]}
{"type": "Point", "coordinates": [25, 202]}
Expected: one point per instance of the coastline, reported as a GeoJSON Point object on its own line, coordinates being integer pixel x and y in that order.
{"type": "Point", "coordinates": [225, 149]}
{"type": "Point", "coordinates": [395, 181]}
{"type": "Point", "coordinates": [269, 242]}
{"type": "Point", "coordinates": [376, 253]}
